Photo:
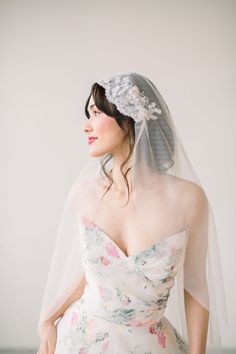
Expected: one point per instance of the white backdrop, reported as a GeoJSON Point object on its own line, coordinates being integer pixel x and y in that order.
{"type": "Point", "coordinates": [51, 53]}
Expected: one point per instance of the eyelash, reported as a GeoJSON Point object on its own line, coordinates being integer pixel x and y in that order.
{"type": "Point", "coordinates": [94, 113]}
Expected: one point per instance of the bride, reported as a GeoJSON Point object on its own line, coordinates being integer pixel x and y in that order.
{"type": "Point", "coordinates": [129, 234]}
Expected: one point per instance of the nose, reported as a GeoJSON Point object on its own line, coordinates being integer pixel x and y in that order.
{"type": "Point", "coordinates": [87, 127]}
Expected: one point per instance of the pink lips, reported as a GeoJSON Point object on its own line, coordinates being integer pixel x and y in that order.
{"type": "Point", "coordinates": [91, 139]}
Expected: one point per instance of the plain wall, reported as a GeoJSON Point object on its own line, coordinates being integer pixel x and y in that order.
{"type": "Point", "coordinates": [51, 53]}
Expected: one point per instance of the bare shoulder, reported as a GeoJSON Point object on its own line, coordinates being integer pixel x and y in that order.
{"type": "Point", "coordinates": [192, 192]}
{"type": "Point", "coordinates": [190, 198]}
{"type": "Point", "coordinates": [195, 203]}
{"type": "Point", "coordinates": [189, 191]}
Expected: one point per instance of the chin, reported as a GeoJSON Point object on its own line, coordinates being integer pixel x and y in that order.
{"type": "Point", "coordinates": [97, 153]}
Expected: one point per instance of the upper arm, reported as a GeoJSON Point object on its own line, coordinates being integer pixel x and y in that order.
{"type": "Point", "coordinates": [197, 244]}
{"type": "Point", "coordinates": [198, 210]}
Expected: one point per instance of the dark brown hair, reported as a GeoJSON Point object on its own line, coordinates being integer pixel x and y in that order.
{"type": "Point", "coordinates": [126, 124]}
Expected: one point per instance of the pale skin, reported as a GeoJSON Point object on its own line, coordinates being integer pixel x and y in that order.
{"type": "Point", "coordinates": [195, 212]}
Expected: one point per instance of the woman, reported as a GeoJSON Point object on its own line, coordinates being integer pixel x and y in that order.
{"type": "Point", "coordinates": [134, 247]}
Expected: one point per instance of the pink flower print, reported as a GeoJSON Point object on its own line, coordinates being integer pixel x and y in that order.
{"type": "Point", "coordinates": [101, 290]}
{"type": "Point", "coordinates": [152, 330]}
{"type": "Point", "coordinates": [105, 347]}
{"type": "Point", "coordinates": [111, 250]}
{"type": "Point", "coordinates": [126, 300]}
{"type": "Point", "coordinates": [83, 351]}
{"type": "Point", "coordinates": [105, 261]}
{"type": "Point", "coordinates": [105, 293]}
{"type": "Point", "coordinates": [74, 318]}
{"type": "Point", "coordinates": [161, 338]}
{"type": "Point", "coordinates": [87, 222]}
{"type": "Point", "coordinates": [136, 322]}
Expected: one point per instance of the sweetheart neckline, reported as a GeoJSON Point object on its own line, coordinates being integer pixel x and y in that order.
{"type": "Point", "coordinates": [119, 249]}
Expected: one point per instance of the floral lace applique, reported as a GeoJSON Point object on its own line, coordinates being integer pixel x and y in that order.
{"type": "Point", "coordinates": [128, 99]}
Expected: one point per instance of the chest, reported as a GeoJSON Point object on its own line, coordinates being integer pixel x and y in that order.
{"type": "Point", "coordinates": [129, 229]}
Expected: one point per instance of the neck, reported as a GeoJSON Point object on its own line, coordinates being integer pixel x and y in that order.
{"type": "Point", "coordinates": [119, 186]}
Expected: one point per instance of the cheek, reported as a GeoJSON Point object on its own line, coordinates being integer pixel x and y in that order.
{"type": "Point", "coordinates": [109, 135]}
{"type": "Point", "coordinates": [107, 127]}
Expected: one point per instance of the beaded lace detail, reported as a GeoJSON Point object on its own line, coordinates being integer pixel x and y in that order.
{"type": "Point", "coordinates": [129, 100]}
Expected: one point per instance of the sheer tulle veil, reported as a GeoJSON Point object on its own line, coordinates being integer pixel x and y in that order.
{"type": "Point", "coordinates": [158, 159]}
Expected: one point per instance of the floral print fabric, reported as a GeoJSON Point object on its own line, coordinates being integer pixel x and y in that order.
{"type": "Point", "coordinates": [124, 300]}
